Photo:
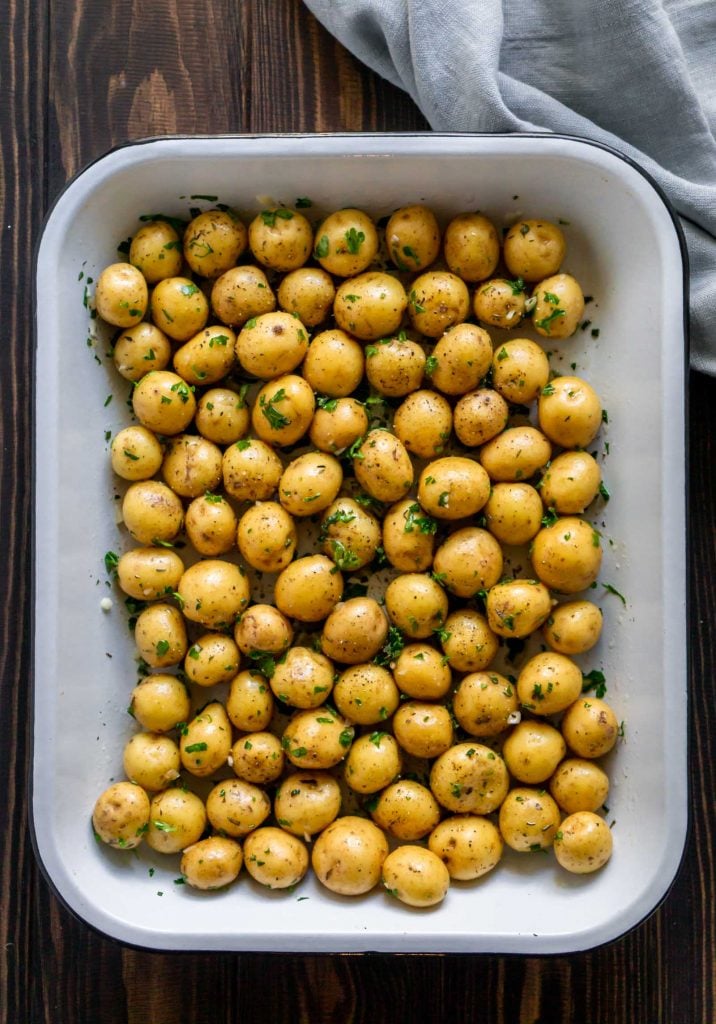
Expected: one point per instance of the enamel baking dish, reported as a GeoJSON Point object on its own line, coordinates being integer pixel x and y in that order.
{"type": "Point", "coordinates": [624, 247]}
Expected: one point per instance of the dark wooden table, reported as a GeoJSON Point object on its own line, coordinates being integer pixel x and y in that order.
{"type": "Point", "coordinates": [76, 77]}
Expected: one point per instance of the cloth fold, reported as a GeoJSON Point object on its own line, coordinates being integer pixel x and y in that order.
{"type": "Point", "coordinates": [637, 75]}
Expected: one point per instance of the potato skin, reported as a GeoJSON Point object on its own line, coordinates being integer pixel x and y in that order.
{"type": "Point", "coordinates": [177, 818]}
{"type": "Point", "coordinates": [437, 300]}
{"type": "Point", "coordinates": [207, 357]}
{"type": "Point", "coordinates": [383, 467]}
{"type": "Point", "coordinates": [192, 465]}
{"type": "Point", "coordinates": [412, 237]}
{"type": "Point", "coordinates": [212, 659]}
{"type": "Point", "coordinates": [346, 242]}
{"type": "Point", "coordinates": [140, 349]}
{"type": "Point", "coordinates": [136, 453]}
{"type": "Point", "coordinates": [520, 370]}
{"type": "Point", "coordinates": [453, 487]}
{"type": "Point", "coordinates": [308, 589]}
{"type": "Point", "coordinates": [366, 694]}
{"type": "Point", "coordinates": [121, 295]}
{"type": "Point", "coordinates": [370, 306]}
{"type": "Point", "coordinates": [309, 292]}
{"type": "Point", "coordinates": [354, 631]}
{"type": "Point", "coordinates": [318, 738]}
{"type": "Point", "coordinates": [395, 366]}
{"type": "Point", "coordinates": [151, 760]}
{"type": "Point", "coordinates": [155, 250]}
{"type": "Point", "coordinates": [579, 785]}
{"type": "Point", "coordinates": [567, 555]}
{"type": "Point", "coordinates": [469, 643]}
{"type": "Point", "coordinates": [160, 635]}
{"type": "Point", "coordinates": [420, 672]}
{"type": "Point", "coordinates": [179, 308]}
{"type": "Point", "coordinates": [348, 856]}
{"type": "Point", "coordinates": [206, 742]}
{"type": "Point", "coordinates": [559, 308]}
{"type": "Point", "coordinates": [250, 703]}
{"type": "Point", "coordinates": [152, 512]}
{"type": "Point", "coordinates": [211, 863]}
{"type": "Point", "coordinates": [280, 239]}
{"type": "Point", "coordinates": [372, 763]}
{"type": "Point", "coordinates": [469, 777]}
{"type": "Point", "coordinates": [283, 410]}
{"type": "Point", "coordinates": [222, 416]}
{"type": "Point", "coordinates": [533, 750]}
{"type": "Point", "coordinates": [274, 858]}
{"type": "Point", "coordinates": [583, 843]}
{"type": "Point", "coordinates": [479, 416]}
{"type": "Point", "coordinates": [160, 701]}
{"type": "Point", "coordinates": [263, 628]}
{"type": "Point", "coordinates": [214, 592]}
{"type": "Point", "coordinates": [415, 876]}
{"type": "Point", "coordinates": [210, 525]}
{"type": "Point", "coordinates": [416, 604]}
{"type": "Point", "coordinates": [423, 729]}
{"type": "Point", "coordinates": [423, 422]}
{"type": "Point", "coordinates": [163, 402]}
{"type": "Point", "coordinates": [515, 454]}
{"type": "Point", "coordinates": [310, 483]}
{"type": "Point", "coordinates": [534, 249]}
{"type": "Point", "coordinates": [407, 810]}
{"type": "Point", "coordinates": [251, 470]}
{"type": "Point", "coordinates": [500, 303]}
{"type": "Point", "coordinates": [335, 427]}
{"type": "Point", "coordinates": [590, 727]}
{"type": "Point", "coordinates": [121, 815]}
{"type": "Point", "coordinates": [468, 845]}
{"type": "Point", "coordinates": [485, 703]}
{"type": "Point", "coordinates": [303, 678]}
{"type": "Point", "coordinates": [307, 802]}
{"type": "Point", "coordinates": [468, 561]}
{"type": "Point", "coordinates": [271, 345]}
{"type": "Point", "coordinates": [548, 683]}
{"type": "Point", "coordinates": [267, 536]}
{"type": "Point", "coordinates": [334, 363]}
{"type": "Point", "coordinates": [149, 573]}
{"type": "Point", "coordinates": [529, 820]}
{"type": "Point", "coordinates": [472, 246]}
{"type": "Point", "coordinates": [241, 293]}
{"type": "Point", "coordinates": [517, 608]}
{"type": "Point", "coordinates": [213, 242]}
{"type": "Point", "coordinates": [570, 412]}
{"type": "Point", "coordinates": [571, 482]}
{"type": "Point", "coordinates": [514, 512]}
{"type": "Point", "coordinates": [236, 807]}
{"type": "Point", "coordinates": [573, 627]}
{"type": "Point", "coordinates": [351, 535]}
{"type": "Point", "coordinates": [460, 359]}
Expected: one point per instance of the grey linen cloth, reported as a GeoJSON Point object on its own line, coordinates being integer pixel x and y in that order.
{"type": "Point", "coordinates": [638, 75]}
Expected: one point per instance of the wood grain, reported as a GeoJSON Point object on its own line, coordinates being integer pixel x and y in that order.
{"type": "Point", "coordinates": [82, 76]}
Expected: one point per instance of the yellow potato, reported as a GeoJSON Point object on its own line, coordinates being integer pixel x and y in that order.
{"type": "Point", "coordinates": [472, 246]}
{"type": "Point", "coordinates": [337, 424]}
{"type": "Point", "coordinates": [533, 750]}
{"type": "Point", "coordinates": [460, 359]}
{"type": "Point", "coordinates": [346, 242]}
{"type": "Point", "coordinates": [163, 402]}
{"type": "Point", "coordinates": [583, 843]}
{"type": "Point", "coordinates": [350, 534]}
{"type": "Point", "coordinates": [520, 369]}
{"type": "Point", "coordinates": [250, 702]}
{"type": "Point", "coordinates": [179, 308]}
{"type": "Point", "coordinates": [240, 294]}
{"type": "Point", "coordinates": [571, 482]}
{"type": "Point", "coordinates": [308, 589]}
{"type": "Point", "coordinates": [412, 238]}
{"type": "Point", "coordinates": [267, 536]}
{"type": "Point", "coordinates": [121, 815]}
{"type": "Point", "coordinates": [468, 561]}
{"type": "Point", "coordinates": [306, 802]}
{"type": "Point", "coordinates": [213, 242]}
{"type": "Point", "coordinates": [407, 810]}
{"type": "Point", "coordinates": [573, 627]}
{"type": "Point", "coordinates": [222, 415]}
{"type": "Point", "coordinates": [570, 412]}
{"type": "Point", "coordinates": [436, 301]}
{"type": "Point", "coordinates": [303, 678]}
{"type": "Point", "coordinates": [382, 466]}
{"type": "Point", "coordinates": [317, 739]}
{"type": "Point", "coordinates": [159, 702]}
{"type": "Point", "coordinates": [559, 307]}
{"type": "Point", "coordinates": [263, 628]}
{"type": "Point", "coordinates": [514, 512]}
{"type": "Point", "coordinates": [212, 659]}
{"type": "Point", "coordinates": [275, 859]}
{"type": "Point", "coordinates": [211, 863]}
{"type": "Point", "coordinates": [136, 453]}
{"type": "Point", "coordinates": [415, 876]}
{"type": "Point", "coordinates": [590, 727]}
{"type": "Point", "coordinates": [214, 592]}
{"type": "Point", "coordinates": [283, 410]}
{"type": "Point", "coordinates": [366, 694]}
{"type": "Point", "coordinates": [423, 730]}
{"type": "Point", "coordinates": [310, 483]}
{"type": "Point", "coordinates": [192, 465]}
{"type": "Point", "coordinates": [348, 856]}
{"type": "Point", "coordinates": [280, 239]}
{"type": "Point", "coordinates": [152, 512]}
{"type": "Point", "coordinates": [479, 416]}
{"type": "Point", "coordinates": [395, 365]}
{"type": "Point", "coordinates": [420, 672]}
{"type": "Point", "coordinates": [236, 807]}
{"type": "Point", "coordinates": [468, 845]}
{"type": "Point", "coordinates": [334, 364]}
{"type": "Point", "coordinates": [206, 741]}
{"type": "Point", "coordinates": [121, 295]}
{"type": "Point", "coordinates": [354, 631]}
{"type": "Point", "coordinates": [467, 640]}
{"type": "Point", "coordinates": [141, 349]}
{"type": "Point", "coordinates": [453, 487]}
{"type": "Point", "coordinates": [423, 422]}
{"type": "Point", "coordinates": [534, 249]}
{"type": "Point", "coordinates": [271, 345]}
{"type": "Point", "coordinates": [372, 763]}
{"type": "Point", "coordinates": [257, 757]}
{"type": "Point", "coordinates": [149, 573]}
{"type": "Point", "coordinates": [210, 525]}
{"type": "Point", "coordinates": [370, 306]}
{"type": "Point", "coordinates": [177, 819]}
{"type": "Point", "coordinates": [500, 303]}
{"type": "Point", "coordinates": [548, 683]}
{"type": "Point", "coordinates": [156, 251]}
{"type": "Point", "coordinates": [416, 604]}
{"type": "Point", "coordinates": [309, 292]}
{"type": "Point", "coordinates": [579, 785]}
{"type": "Point", "coordinates": [567, 555]}
{"type": "Point", "coordinates": [160, 635]}
{"type": "Point", "coordinates": [151, 760]}
{"type": "Point", "coordinates": [207, 357]}
{"type": "Point", "coordinates": [485, 704]}
{"type": "Point", "coordinates": [529, 820]}
{"type": "Point", "coordinates": [469, 777]}
{"type": "Point", "coordinates": [251, 470]}
{"type": "Point", "coordinates": [517, 608]}
{"type": "Point", "coordinates": [409, 536]}
{"type": "Point", "coordinates": [515, 454]}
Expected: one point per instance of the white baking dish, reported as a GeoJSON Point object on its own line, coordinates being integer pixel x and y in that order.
{"type": "Point", "coordinates": [624, 247]}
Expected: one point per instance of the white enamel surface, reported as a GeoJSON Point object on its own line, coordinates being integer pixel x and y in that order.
{"type": "Point", "coordinates": [624, 248]}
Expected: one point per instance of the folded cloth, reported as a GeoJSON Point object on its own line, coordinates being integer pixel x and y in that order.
{"type": "Point", "coordinates": [638, 75]}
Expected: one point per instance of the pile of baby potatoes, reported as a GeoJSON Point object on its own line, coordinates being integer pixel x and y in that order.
{"type": "Point", "coordinates": [322, 416]}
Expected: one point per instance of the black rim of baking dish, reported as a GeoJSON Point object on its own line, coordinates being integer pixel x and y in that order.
{"type": "Point", "coordinates": [367, 136]}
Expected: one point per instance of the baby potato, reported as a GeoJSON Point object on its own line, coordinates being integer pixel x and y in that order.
{"type": "Point", "coordinates": [583, 843]}
{"type": "Point", "coordinates": [472, 246]}
{"type": "Point", "coordinates": [159, 702]}
{"type": "Point", "coordinates": [280, 239]}
{"type": "Point", "coordinates": [395, 366]}
{"type": "Point", "coordinates": [250, 702]}
{"type": "Point", "coordinates": [151, 760]}
{"type": "Point", "coordinates": [500, 303]}
{"type": "Point", "coordinates": [283, 410]}
{"type": "Point", "coordinates": [520, 369]}
{"type": "Point", "coordinates": [571, 482]}
{"type": "Point", "coordinates": [222, 416]}
{"type": "Point", "coordinates": [533, 750]}
{"type": "Point", "coordinates": [559, 307]}
{"type": "Point", "coordinates": [485, 704]}
{"type": "Point", "coordinates": [590, 727]}
{"type": "Point", "coordinates": [460, 359]}
{"type": "Point", "coordinates": [415, 876]}
{"type": "Point", "coordinates": [573, 627]}
{"type": "Point", "coordinates": [469, 778]}
{"type": "Point", "coordinates": [235, 807]}
{"type": "Point", "coordinates": [179, 308]}
{"type": "Point", "coordinates": [529, 820]}
{"type": "Point", "coordinates": [453, 487]}
{"type": "Point", "coordinates": [423, 422]}
{"type": "Point", "coordinates": [370, 306]}
{"type": "Point", "coordinates": [275, 859]}
{"type": "Point", "coordinates": [372, 763]}
{"type": "Point", "coordinates": [382, 466]}
{"type": "Point", "coordinates": [152, 512]}
{"type": "Point", "coordinates": [421, 672]}
{"type": "Point", "coordinates": [468, 845]}
{"type": "Point", "coordinates": [163, 402]}
{"type": "Point", "coordinates": [515, 454]}
{"type": "Point", "coordinates": [534, 249]}
{"type": "Point", "coordinates": [192, 465]}
{"type": "Point", "coordinates": [579, 785]}
{"type": "Point", "coordinates": [136, 453]}
{"type": "Point", "coordinates": [155, 250]}
{"type": "Point", "coordinates": [303, 678]}
{"type": "Point", "coordinates": [214, 658]}
{"type": "Point", "coordinates": [307, 802]}
{"type": "Point", "coordinates": [251, 470]}
{"type": "Point", "coordinates": [240, 294]}
{"type": "Point", "coordinates": [149, 573]}
{"type": "Point", "coordinates": [517, 608]}
{"type": "Point", "coordinates": [437, 300]}
{"type": "Point", "coordinates": [514, 512]}
{"type": "Point", "coordinates": [334, 364]}
{"type": "Point", "coordinates": [309, 293]}
{"type": "Point", "coordinates": [262, 628]}
{"type": "Point", "coordinates": [354, 631]}
{"type": "Point", "coordinates": [346, 242]}
{"type": "Point", "coordinates": [207, 357]}
{"type": "Point", "coordinates": [257, 758]}
{"type": "Point", "coordinates": [469, 643]}
{"type": "Point", "coordinates": [213, 242]}
{"type": "Point", "coordinates": [310, 483]}
{"type": "Point", "coordinates": [468, 561]}
{"type": "Point", "coordinates": [423, 730]}
{"type": "Point", "coordinates": [317, 739]}
{"type": "Point", "coordinates": [407, 810]}
{"type": "Point", "coordinates": [308, 589]}
{"type": "Point", "coordinates": [570, 412]}
{"type": "Point", "coordinates": [212, 863]}
{"type": "Point", "coordinates": [271, 345]}
{"type": "Point", "coordinates": [548, 683]}
{"type": "Point", "coordinates": [337, 424]}
{"type": "Point", "coordinates": [416, 604]}
{"type": "Point", "coordinates": [412, 237]}
{"type": "Point", "coordinates": [121, 815]}
{"type": "Point", "coordinates": [350, 535]}
{"type": "Point", "coordinates": [206, 742]}
{"type": "Point", "coordinates": [348, 856]}
{"type": "Point", "coordinates": [140, 349]}
{"type": "Point", "coordinates": [160, 635]}
{"type": "Point", "coordinates": [567, 555]}
{"type": "Point", "coordinates": [121, 296]}
{"type": "Point", "coordinates": [408, 536]}
{"type": "Point", "coordinates": [210, 525]}
{"type": "Point", "coordinates": [366, 694]}
{"type": "Point", "coordinates": [214, 592]}
{"type": "Point", "coordinates": [177, 819]}
{"type": "Point", "coordinates": [479, 416]}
